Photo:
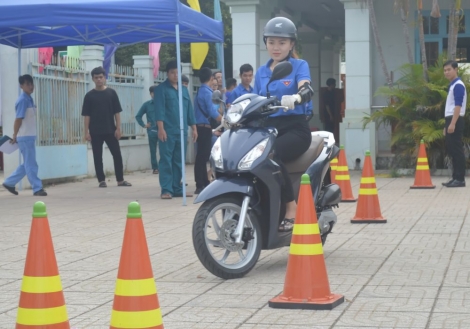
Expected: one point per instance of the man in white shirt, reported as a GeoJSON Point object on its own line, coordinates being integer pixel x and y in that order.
{"type": "Point", "coordinates": [453, 131]}
{"type": "Point", "coordinates": [25, 135]}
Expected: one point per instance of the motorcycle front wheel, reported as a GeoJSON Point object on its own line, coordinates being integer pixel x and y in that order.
{"type": "Point", "coordinates": [213, 228]}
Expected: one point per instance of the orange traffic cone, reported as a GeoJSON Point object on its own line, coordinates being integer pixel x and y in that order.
{"type": "Point", "coordinates": [306, 285]}
{"type": "Point", "coordinates": [333, 167]}
{"type": "Point", "coordinates": [342, 177]}
{"type": "Point", "coordinates": [368, 207]}
{"type": "Point", "coordinates": [42, 303]}
{"type": "Point", "coordinates": [135, 300]}
{"type": "Point", "coordinates": [423, 175]}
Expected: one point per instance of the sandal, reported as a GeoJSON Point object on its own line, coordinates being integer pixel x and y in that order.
{"type": "Point", "coordinates": [124, 183]}
{"type": "Point", "coordinates": [287, 225]}
{"type": "Point", "coordinates": [103, 184]}
{"type": "Point", "coordinates": [156, 172]}
{"type": "Point", "coordinates": [166, 196]}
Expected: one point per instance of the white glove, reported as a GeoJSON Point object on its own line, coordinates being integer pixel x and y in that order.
{"type": "Point", "coordinates": [289, 100]}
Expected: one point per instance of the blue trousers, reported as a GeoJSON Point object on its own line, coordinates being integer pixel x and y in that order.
{"type": "Point", "coordinates": [28, 168]}
{"type": "Point", "coordinates": [170, 165]}
{"type": "Point", "coordinates": [153, 142]}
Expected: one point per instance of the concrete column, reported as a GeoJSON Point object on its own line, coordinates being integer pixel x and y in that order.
{"type": "Point", "coordinates": [246, 34]}
{"type": "Point", "coordinates": [143, 66]}
{"type": "Point", "coordinates": [326, 61]}
{"type": "Point", "coordinates": [337, 64]}
{"type": "Point", "coordinates": [311, 53]}
{"type": "Point", "coordinates": [264, 16]}
{"type": "Point", "coordinates": [93, 57]}
{"type": "Point", "coordinates": [355, 139]}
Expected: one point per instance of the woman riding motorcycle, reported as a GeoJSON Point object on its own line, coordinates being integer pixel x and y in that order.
{"type": "Point", "coordinates": [294, 137]}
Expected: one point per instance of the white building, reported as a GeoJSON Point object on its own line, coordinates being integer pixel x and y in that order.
{"type": "Point", "coordinates": [326, 27]}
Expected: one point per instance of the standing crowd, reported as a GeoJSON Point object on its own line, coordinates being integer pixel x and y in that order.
{"type": "Point", "coordinates": [102, 121]}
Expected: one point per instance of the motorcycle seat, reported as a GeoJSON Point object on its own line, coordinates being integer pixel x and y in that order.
{"type": "Point", "coordinates": [301, 164]}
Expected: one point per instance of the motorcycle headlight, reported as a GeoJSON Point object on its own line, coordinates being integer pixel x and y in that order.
{"type": "Point", "coordinates": [234, 113]}
{"type": "Point", "coordinates": [250, 157]}
{"type": "Point", "coordinates": [216, 154]}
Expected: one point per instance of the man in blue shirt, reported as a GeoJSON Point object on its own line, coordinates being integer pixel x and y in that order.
{"type": "Point", "coordinates": [454, 123]}
{"type": "Point", "coordinates": [24, 133]}
{"type": "Point", "coordinates": [148, 108]}
{"type": "Point", "coordinates": [168, 121]}
{"type": "Point", "coordinates": [246, 76]}
{"type": "Point", "coordinates": [204, 109]}
{"type": "Point", "coordinates": [231, 84]}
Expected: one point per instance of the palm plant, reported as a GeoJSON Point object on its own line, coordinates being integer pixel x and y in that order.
{"type": "Point", "coordinates": [417, 112]}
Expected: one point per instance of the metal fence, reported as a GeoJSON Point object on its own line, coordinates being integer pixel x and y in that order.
{"type": "Point", "coordinates": [129, 88]}
{"type": "Point", "coordinates": [59, 91]}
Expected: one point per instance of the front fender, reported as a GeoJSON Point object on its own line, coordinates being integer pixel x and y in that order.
{"type": "Point", "coordinates": [225, 185]}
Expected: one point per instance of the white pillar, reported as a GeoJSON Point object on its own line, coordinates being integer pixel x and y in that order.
{"type": "Point", "coordinates": [355, 139]}
{"type": "Point", "coordinates": [245, 33]}
{"type": "Point", "coordinates": [93, 57]}
{"type": "Point", "coordinates": [337, 64]}
{"type": "Point", "coordinates": [326, 62]}
{"type": "Point", "coordinates": [143, 66]}
{"type": "Point", "coordinates": [264, 17]}
{"type": "Point", "coordinates": [311, 53]}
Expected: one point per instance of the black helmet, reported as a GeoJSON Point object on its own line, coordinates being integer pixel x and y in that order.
{"type": "Point", "coordinates": [280, 27]}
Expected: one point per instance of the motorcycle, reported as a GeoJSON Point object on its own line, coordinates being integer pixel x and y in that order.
{"type": "Point", "coordinates": [242, 208]}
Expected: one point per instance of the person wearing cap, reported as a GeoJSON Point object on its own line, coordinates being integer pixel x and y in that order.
{"type": "Point", "coordinates": [295, 92]}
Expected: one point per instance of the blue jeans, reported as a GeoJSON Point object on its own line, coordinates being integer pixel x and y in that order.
{"type": "Point", "coordinates": [29, 167]}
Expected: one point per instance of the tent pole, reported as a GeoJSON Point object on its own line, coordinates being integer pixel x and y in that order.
{"type": "Point", "coordinates": [20, 184]}
{"type": "Point", "coordinates": [222, 62]}
{"type": "Point", "coordinates": [180, 98]}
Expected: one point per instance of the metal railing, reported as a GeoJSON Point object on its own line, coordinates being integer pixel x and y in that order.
{"type": "Point", "coordinates": [129, 88]}
{"type": "Point", "coordinates": [59, 92]}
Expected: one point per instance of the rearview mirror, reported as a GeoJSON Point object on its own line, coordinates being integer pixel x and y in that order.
{"type": "Point", "coordinates": [217, 97]}
{"type": "Point", "coordinates": [280, 71]}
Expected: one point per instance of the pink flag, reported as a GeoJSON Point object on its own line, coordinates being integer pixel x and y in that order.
{"type": "Point", "coordinates": [44, 57]}
{"type": "Point", "coordinates": [154, 49]}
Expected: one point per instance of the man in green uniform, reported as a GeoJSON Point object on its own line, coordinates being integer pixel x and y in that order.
{"type": "Point", "coordinates": [148, 108]}
{"type": "Point", "coordinates": [168, 121]}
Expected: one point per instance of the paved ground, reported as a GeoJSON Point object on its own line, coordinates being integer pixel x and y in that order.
{"type": "Point", "coordinates": [413, 272]}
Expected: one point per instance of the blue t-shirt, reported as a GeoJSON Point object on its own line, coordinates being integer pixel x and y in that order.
{"type": "Point", "coordinates": [237, 92]}
{"type": "Point", "coordinates": [286, 86]}
{"type": "Point", "coordinates": [26, 110]}
{"type": "Point", "coordinates": [203, 106]}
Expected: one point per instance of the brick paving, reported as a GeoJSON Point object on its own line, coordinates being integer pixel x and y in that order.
{"type": "Point", "coordinates": [413, 272]}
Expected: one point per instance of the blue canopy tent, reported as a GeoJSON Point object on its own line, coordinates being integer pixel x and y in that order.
{"type": "Point", "coordinates": [49, 23]}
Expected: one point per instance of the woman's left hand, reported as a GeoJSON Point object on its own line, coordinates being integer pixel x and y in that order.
{"type": "Point", "coordinates": [290, 100]}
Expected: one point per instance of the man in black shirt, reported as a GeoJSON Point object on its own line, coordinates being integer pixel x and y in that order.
{"type": "Point", "coordinates": [101, 109]}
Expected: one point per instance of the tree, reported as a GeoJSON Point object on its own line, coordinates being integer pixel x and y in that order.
{"type": "Point", "coordinates": [369, 4]}
{"type": "Point", "coordinates": [404, 7]}
{"type": "Point", "coordinates": [168, 50]}
{"type": "Point", "coordinates": [454, 27]}
{"type": "Point", "coordinates": [375, 32]}
{"type": "Point", "coordinates": [421, 40]}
